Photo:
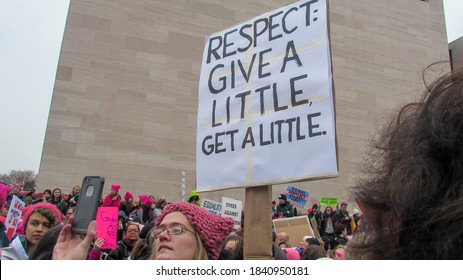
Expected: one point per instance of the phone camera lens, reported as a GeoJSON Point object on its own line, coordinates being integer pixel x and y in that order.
{"type": "Point", "coordinates": [87, 179]}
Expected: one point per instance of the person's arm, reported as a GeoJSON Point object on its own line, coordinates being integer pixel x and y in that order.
{"type": "Point", "coordinates": [73, 246]}
{"type": "Point", "coordinates": [95, 253]}
{"type": "Point", "coordinates": [290, 211]}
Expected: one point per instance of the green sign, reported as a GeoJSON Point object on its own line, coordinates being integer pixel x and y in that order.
{"type": "Point", "coordinates": [328, 201]}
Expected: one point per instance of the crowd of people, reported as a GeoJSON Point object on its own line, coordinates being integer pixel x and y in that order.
{"type": "Point", "coordinates": [143, 227]}
{"type": "Point", "coordinates": [409, 198]}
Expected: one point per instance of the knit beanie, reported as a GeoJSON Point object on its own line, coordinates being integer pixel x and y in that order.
{"type": "Point", "coordinates": [212, 229]}
{"type": "Point", "coordinates": [29, 210]}
{"type": "Point", "coordinates": [115, 187]}
{"type": "Point", "coordinates": [291, 254]}
{"type": "Point", "coordinates": [142, 198]}
{"type": "Point", "coordinates": [128, 196]}
{"type": "Point", "coordinates": [148, 201]}
{"type": "Point", "coordinates": [15, 185]}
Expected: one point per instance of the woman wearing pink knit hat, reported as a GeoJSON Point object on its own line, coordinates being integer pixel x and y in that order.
{"type": "Point", "coordinates": [113, 199]}
{"type": "Point", "coordinates": [127, 206]}
{"type": "Point", "coordinates": [184, 231]}
{"type": "Point", "coordinates": [38, 219]}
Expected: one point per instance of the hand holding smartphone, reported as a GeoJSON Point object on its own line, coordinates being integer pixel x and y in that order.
{"type": "Point", "coordinates": [87, 205]}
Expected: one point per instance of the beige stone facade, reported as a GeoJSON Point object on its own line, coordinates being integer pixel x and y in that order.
{"type": "Point", "coordinates": [456, 49]}
{"type": "Point", "coordinates": [125, 99]}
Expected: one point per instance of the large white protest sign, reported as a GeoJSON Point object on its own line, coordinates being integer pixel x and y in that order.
{"type": "Point", "coordinates": [212, 206]}
{"type": "Point", "coordinates": [232, 208]}
{"type": "Point", "coordinates": [265, 111]}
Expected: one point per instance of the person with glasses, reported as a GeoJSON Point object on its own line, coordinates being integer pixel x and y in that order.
{"type": "Point", "coordinates": [185, 231]}
{"type": "Point", "coordinates": [124, 247]}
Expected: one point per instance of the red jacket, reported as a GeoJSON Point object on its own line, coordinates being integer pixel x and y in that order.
{"type": "Point", "coordinates": [109, 202]}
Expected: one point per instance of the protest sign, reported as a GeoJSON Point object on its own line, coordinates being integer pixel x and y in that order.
{"type": "Point", "coordinates": [265, 101]}
{"type": "Point", "coordinates": [14, 216]}
{"type": "Point", "coordinates": [328, 201]}
{"type": "Point", "coordinates": [183, 185]}
{"type": "Point", "coordinates": [296, 196]}
{"type": "Point", "coordinates": [106, 226]}
{"type": "Point", "coordinates": [313, 223]}
{"type": "Point", "coordinates": [296, 227]}
{"type": "Point", "coordinates": [232, 208]}
{"type": "Point", "coordinates": [212, 206]}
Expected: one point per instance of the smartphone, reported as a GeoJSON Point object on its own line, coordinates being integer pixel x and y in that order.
{"type": "Point", "coordinates": [87, 205]}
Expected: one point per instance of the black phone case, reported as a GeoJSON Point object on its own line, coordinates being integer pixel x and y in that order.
{"type": "Point", "coordinates": [87, 205]}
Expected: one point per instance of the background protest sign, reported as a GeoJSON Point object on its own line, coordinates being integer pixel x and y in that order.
{"type": "Point", "coordinates": [183, 185]}
{"type": "Point", "coordinates": [265, 101]}
{"type": "Point", "coordinates": [232, 208]}
{"type": "Point", "coordinates": [296, 227]}
{"type": "Point", "coordinates": [212, 206]}
{"type": "Point", "coordinates": [296, 196]}
{"type": "Point", "coordinates": [106, 226]}
{"type": "Point", "coordinates": [14, 216]}
{"type": "Point", "coordinates": [328, 201]}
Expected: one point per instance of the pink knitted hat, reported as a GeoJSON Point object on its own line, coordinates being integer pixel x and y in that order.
{"type": "Point", "coordinates": [212, 229]}
{"type": "Point", "coordinates": [128, 195]}
{"type": "Point", "coordinates": [148, 201]}
{"type": "Point", "coordinates": [142, 198]}
{"type": "Point", "coordinates": [291, 254]}
{"type": "Point", "coordinates": [29, 210]}
{"type": "Point", "coordinates": [115, 187]}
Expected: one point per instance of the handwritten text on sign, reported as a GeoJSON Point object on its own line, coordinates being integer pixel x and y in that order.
{"type": "Point", "coordinates": [14, 216]}
{"type": "Point", "coordinates": [106, 226]}
{"type": "Point", "coordinates": [265, 101]}
{"type": "Point", "coordinates": [297, 196]}
{"type": "Point", "coordinates": [232, 208]}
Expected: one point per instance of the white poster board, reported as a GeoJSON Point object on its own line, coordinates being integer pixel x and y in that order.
{"type": "Point", "coordinates": [266, 111]}
{"type": "Point", "coordinates": [183, 185]}
{"type": "Point", "coordinates": [295, 227]}
{"type": "Point", "coordinates": [14, 216]}
{"type": "Point", "coordinates": [232, 208]}
{"type": "Point", "coordinates": [212, 206]}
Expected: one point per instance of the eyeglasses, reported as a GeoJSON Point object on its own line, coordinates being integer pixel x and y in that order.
{"type": "Point", "coordinates": [171, 231]}
{"type": "Point", "coordinates": [132, 231]}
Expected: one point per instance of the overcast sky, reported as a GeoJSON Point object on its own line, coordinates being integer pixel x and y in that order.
{"type": "Point", "coordinates": [31, 32]}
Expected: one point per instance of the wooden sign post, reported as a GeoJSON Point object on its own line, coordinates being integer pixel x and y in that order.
{"type": "Point", "coordinates": [258, 223]}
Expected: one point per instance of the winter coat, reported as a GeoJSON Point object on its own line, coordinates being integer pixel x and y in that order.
{"type": "Point", "coordinates": [286, 209]}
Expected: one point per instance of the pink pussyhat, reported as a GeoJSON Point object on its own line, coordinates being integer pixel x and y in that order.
{"type": "Point", "coordinates": [29, 210]}
{"type": "Point", "coordinates": [212, 229]}
{"type": "Point", "coordinates": [128, 196]}
{"type": "Point", "coordinates": [115, 187]}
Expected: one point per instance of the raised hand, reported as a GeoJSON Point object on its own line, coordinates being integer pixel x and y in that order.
{"type": "Point", "coordinates": [73, 246]}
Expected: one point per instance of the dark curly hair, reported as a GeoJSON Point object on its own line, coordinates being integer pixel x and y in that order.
{"type": "Point", "coordinates": [411, 188]}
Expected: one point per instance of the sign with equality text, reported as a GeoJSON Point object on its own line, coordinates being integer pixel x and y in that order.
{"type": "Point", "coordinates": [265, 111]}
{"type": "Point", "coordinates": [212, 206]}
